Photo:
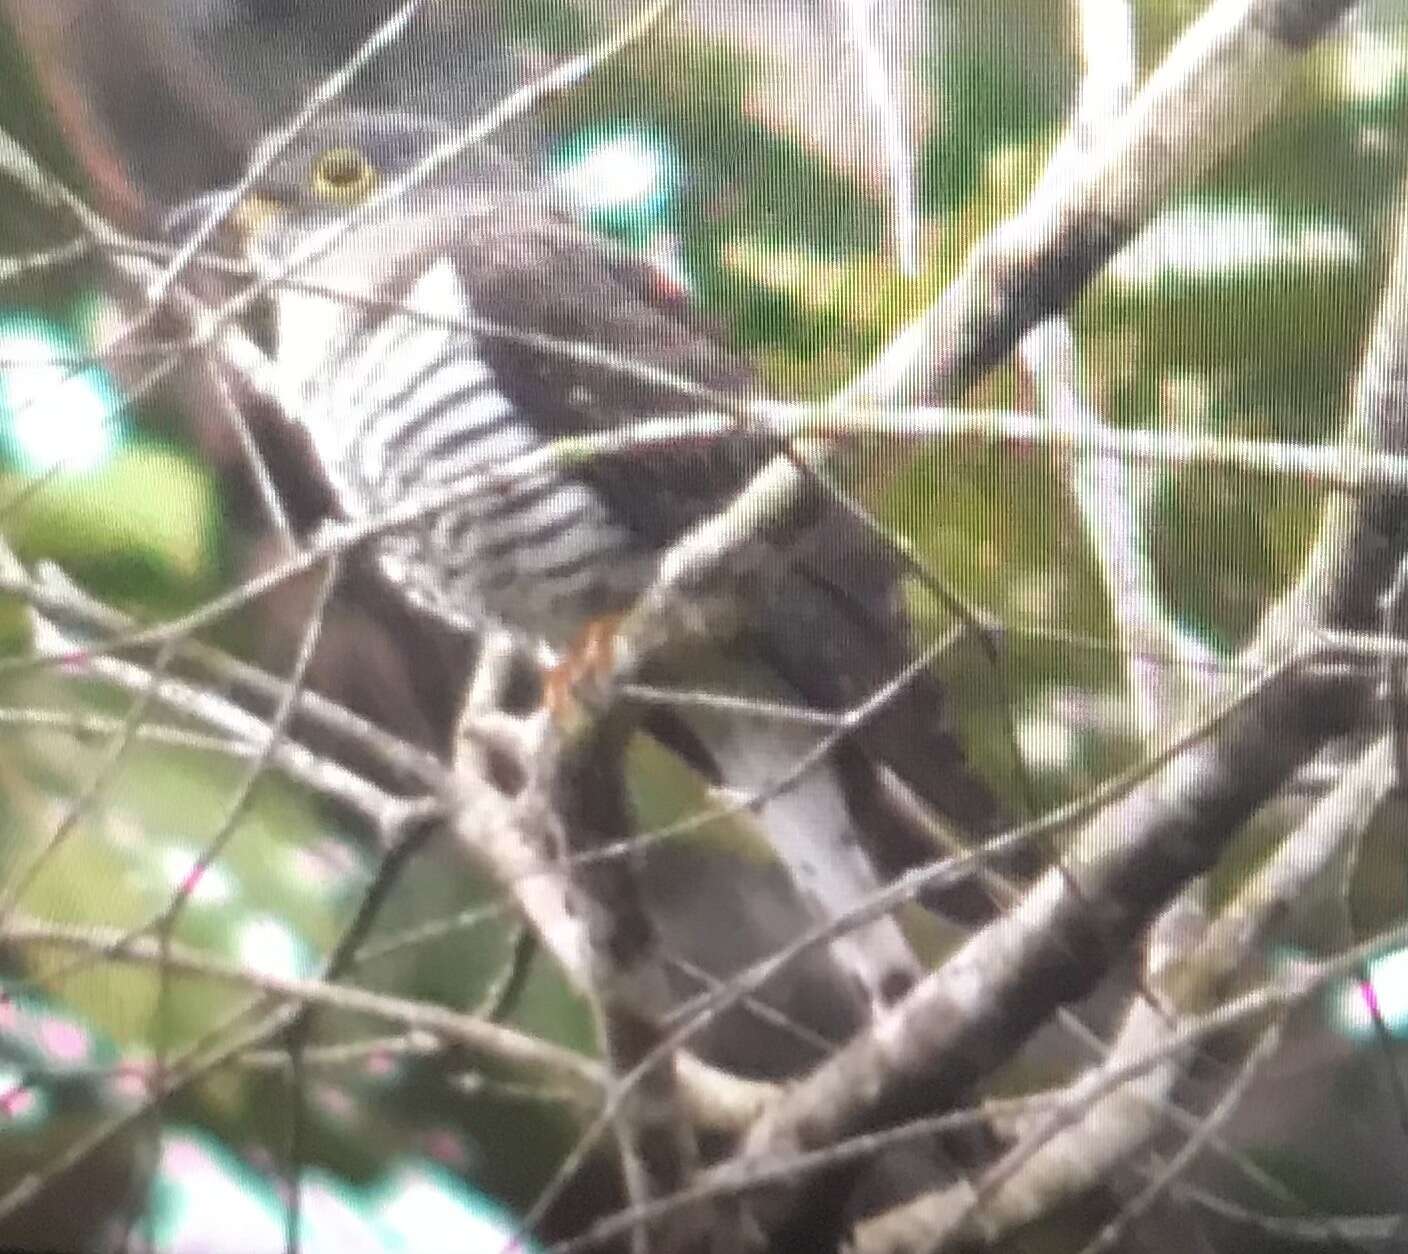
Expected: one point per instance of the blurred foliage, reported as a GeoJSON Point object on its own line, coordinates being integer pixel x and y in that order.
{"type": "Point", "coordinates": [142, 528]}
{"type": "Point", "coordinates": [789, 250]}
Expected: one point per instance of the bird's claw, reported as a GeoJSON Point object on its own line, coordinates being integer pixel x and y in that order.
{"type": "Point", "coordinates": [582, 675]}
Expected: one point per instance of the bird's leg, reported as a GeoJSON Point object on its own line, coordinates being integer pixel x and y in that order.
{"type": "Point", "coordinates": [583, 670]}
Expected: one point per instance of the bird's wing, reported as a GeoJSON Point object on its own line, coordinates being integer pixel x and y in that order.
{"type": "Point", "coordinates": [830, 618]}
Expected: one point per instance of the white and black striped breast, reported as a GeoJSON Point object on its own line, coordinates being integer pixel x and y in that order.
{"type": "Point", "coordinates": [399, 403]}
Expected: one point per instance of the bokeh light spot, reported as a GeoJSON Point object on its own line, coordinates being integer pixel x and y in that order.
{"type": "Point", "coordinates": [57, 411]}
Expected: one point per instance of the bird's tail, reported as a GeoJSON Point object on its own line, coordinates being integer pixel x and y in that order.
{"type": "Point", "coordinates": [838, 631]}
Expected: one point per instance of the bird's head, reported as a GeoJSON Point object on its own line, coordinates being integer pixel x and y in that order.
{"type": "Point", "coordinates": [347, 220]}
{"type": "Point", "coordinates": [361, 192]}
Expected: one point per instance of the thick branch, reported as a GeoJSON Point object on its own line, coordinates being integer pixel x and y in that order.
{"type": "Point", "coordinates": [1053, 1163]}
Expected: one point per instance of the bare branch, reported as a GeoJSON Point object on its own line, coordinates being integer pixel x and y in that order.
{"type": "Point", "coordinates": [883, 93]}
{"type": "Point", "coordinates": [512, 1047]}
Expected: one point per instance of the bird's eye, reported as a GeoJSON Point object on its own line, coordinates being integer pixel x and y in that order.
{"type": "Point", "coordinates": [343, 175]}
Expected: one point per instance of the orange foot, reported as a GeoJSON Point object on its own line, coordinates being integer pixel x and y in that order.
{"type": "Point", "coordinates": [588, 659]}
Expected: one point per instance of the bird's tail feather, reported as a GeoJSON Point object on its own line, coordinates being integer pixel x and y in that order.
{"type": "Point", "coordinates": [837, 630]}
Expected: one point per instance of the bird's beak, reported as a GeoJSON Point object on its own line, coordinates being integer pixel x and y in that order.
{"type": "Point", "coordinates": [239, 221]}
{"type": "Point", "coordinates": [251, 214]}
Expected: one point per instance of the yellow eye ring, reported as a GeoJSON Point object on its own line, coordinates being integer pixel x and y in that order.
{"type": "Point", "coordinates": [343, 175]}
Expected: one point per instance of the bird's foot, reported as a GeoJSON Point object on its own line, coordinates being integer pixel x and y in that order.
{"type": "Point", "coordinates": [581, 676]}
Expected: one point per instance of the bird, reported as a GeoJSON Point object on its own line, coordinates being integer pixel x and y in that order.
{"type": "Point", "coordinates": [430, 327]}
